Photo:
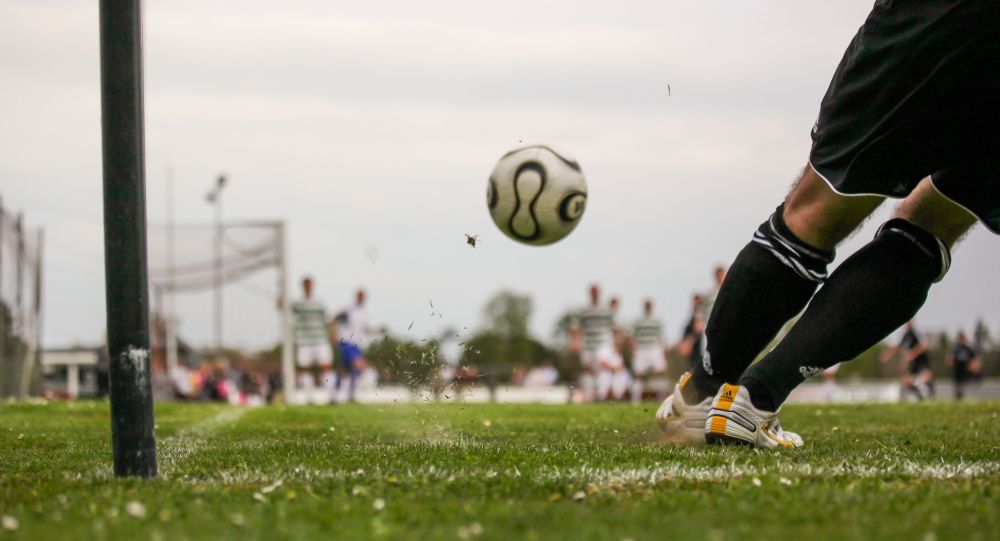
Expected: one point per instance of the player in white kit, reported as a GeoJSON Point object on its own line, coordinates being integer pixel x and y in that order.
{"type": "Point", "coordinates": [352, 337]}
{"type": "Point", "coordinates": [648, 359]}
{"type": "Point", "coordinates": [593, 337]}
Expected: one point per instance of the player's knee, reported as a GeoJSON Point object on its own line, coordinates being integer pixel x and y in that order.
{"type": "Point", "coordinates": [806, 261]}
{"type": "Point", "coordinates": [936, 214]}
{"type": "Point", "coordinates": [927, 243]}
{"type": "Point", "coordinates": [821, 217]}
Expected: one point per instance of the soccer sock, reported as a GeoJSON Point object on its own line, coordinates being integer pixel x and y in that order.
{"type": "Point", "coordinates": [772, 279]}
{"type": "Point", "coordinates": [872, 293]}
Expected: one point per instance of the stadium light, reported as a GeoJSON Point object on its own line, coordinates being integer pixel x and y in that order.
{"type": "Point", "coordinates": [214, 198]}
{"type": "Point", "coordinates": [125, 273]}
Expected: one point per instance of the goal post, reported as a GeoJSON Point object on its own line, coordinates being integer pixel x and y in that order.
{"type": "Point", "coordinates": [125, 274]}
{"type": "Point", "coordinates": [287, 336]}
{"type": "Point", "coordinates": [185, 262]}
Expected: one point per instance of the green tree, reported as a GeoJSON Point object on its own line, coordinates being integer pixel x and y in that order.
{"type": "Point", "coordinates": [508, 313]}
{"type": "Point", "coordinates": [507, 342]}
{"type": "Point", "coordinates": [981, 338]}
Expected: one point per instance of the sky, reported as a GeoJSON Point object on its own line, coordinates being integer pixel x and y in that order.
{"type": "Point", "coordinates": [370, 128]}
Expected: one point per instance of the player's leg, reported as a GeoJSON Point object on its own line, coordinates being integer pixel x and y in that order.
{"type": "Point", "coordinates": [830, 382]}
{"type": "Point", "coordinates": [304, 362]}
{"type": "Point", "coordinates": [927, 380]}
{"type": "Point", "coordinates": [774, 276]}
{"type": "Point", "coordinates": [660, 373]}
{"type": "Point", "coordinates": [620, 380]}
{"type": "Point", "coordinates": [872, 293]}
{"type": "Point", "coordinates": [324, 364]}
{"type": "Point", "coordinates": [604, 380]}
{"type": "Point", "coordinates": [961, 375]}
{"type": "Point", "coordinates": [640, 374]}
{"type": "Point", "coordinates": [588, 376]}
{"type": "Point", "coordinates": [907, 386]}
{"type": "Point", "coordinates": [356, 366]}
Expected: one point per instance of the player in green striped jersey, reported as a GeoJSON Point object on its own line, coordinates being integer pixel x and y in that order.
{"type": "Point", "coordinates": [312, 341]}
{"type": "Point", "coordinates": [648, 346]}
{"type": "Point", "coordinates": [592, 336]}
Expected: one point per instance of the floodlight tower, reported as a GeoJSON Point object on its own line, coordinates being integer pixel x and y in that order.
{"type": "Point", "coordinates": [214, 198]}
{"type": "Point", "coordinates": [125, 272]}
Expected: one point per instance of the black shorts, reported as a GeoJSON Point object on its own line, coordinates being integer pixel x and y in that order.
{"type": "Point", "coordinates": [920, 364]}
{"type": "Point", "coordinates": [917, 94]}
{"type": "Point", "coordinates": [962, 373]}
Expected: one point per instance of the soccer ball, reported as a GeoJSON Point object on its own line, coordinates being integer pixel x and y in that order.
{"type": "Point", "coordinates": [536, 195]}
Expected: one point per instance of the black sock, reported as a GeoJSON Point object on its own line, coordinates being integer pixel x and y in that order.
{"type": "Point", "coordinates": [872, 293]}
{"type": "Point", "coordinates": [772, 279]}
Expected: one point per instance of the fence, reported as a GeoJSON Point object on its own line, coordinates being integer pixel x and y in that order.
{"type": "Point", "coordinates": [20, 304]}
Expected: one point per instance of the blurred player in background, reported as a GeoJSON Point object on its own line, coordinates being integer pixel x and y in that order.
{"type": "Point", "coordinates": [911, 113]}
{"type": "Point", "coordinates": [618, 378]}
{"type": "Point", "coordinates": [593, 333]}
{"type": "Point", "coordinates": [830, 382]}
{"type": "Point", "coordinates": [691, 345]}
{"type": "Point", "coordinates": [648, 346]}
{"type": "Point", "coordinates": [965, 362]}
{"type": "Point", "coordinates": [708, 299]}
{"type": "Point", "coordinates": [352, 333]}
{"type": "Point", "coordinates": [312, 341]}
{"type": "Point", "coordinates": [917, 377]}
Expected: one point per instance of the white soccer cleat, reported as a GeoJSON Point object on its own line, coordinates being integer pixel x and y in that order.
{"type": "Point", "coordinates": [682, 422]}
{"type": "Point", "coordinates": [734, 420]}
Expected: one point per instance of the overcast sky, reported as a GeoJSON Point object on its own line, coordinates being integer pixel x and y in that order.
{"type": "Point", "coordinates": [371, 128]}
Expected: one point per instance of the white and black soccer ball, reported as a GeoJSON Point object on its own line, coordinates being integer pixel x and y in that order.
{"type": "Point", "coordinates": [536, 195]}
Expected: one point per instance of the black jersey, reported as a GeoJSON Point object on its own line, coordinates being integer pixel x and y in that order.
{"type": "Point", "coordinates": [910, 339]}
{"type": "Point", "coordinates": [963, 354]}
{"type": "Point", "coordinates": [922, 361]}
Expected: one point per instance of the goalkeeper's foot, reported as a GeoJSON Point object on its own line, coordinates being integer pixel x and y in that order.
{"type": "Point", "coordinates": [733, 419]}
{"type": "Point", "coordinates": [682, 422]}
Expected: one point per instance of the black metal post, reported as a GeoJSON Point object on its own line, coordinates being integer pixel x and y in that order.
{"type": "Point", "coordinates": [125, 239]}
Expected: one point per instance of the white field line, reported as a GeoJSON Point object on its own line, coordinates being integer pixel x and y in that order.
{"type": "Point", "coordinates": [583, 475]}
{"type": "Point", "coordinates": [192, 439]}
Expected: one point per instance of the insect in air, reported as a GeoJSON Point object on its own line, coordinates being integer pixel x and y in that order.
{"type": "Point", "coordinates": [471, 240]}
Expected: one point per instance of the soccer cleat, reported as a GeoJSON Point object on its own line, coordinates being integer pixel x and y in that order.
{"type": "Point", "coordinates": [734, 420]}
{"type": "Point", "coordinates": [682, 422]}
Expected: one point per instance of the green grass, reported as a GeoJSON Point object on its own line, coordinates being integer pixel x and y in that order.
{"type": "Point", "coordinates": [928, 471]}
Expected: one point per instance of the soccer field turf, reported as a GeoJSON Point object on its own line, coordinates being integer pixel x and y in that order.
{"type": "Point", "coordinates": [926, 471]}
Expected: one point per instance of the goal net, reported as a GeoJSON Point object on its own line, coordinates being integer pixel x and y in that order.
{"type": "Point", "coordinates": [20, 304]}
{"type": "Point", "coordinates": [219, 287]}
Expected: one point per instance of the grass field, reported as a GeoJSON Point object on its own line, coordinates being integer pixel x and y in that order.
{"type": "Point", "coordinates": [929, 471]}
